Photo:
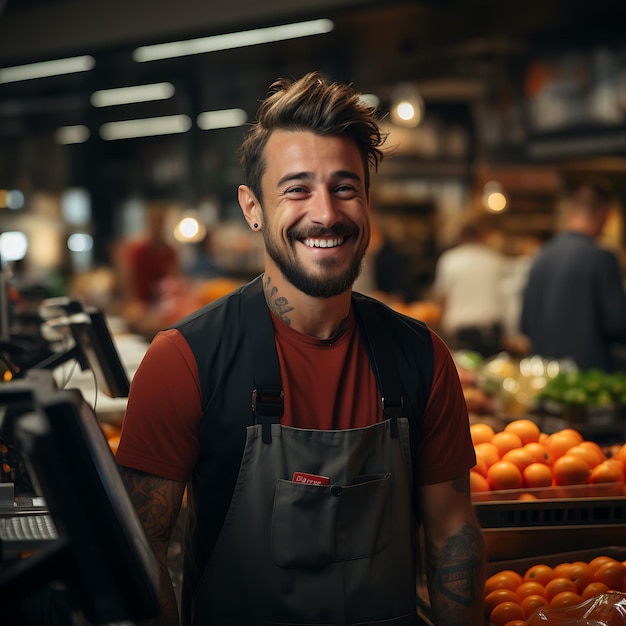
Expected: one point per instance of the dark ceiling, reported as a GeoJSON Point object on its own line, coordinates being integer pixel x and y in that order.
{"type": "Point", "coordinates": [454, 49]}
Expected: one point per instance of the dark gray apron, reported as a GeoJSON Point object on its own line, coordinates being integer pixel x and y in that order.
{"type": "Point", "coordinates": [293, 553]}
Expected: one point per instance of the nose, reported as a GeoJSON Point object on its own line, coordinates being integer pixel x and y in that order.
{"type": "Point", "coordinates": [324, 209]}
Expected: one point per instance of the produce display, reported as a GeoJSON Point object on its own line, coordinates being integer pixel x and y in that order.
{"type": "Point", "coordinates": [590, 388]}
{"type": "Point", "coordinates": [512, 597]}
{"type": "Point", "coordinates": [514, 387]}
{"type": "Point", "coordinates": [521, 457]}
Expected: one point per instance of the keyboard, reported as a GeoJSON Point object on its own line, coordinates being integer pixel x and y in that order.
{"type": "Point", "coordinates": [24, 533]}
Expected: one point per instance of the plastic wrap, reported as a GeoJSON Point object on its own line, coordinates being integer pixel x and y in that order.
{"type": "Point", "coordinates": [607, 609]}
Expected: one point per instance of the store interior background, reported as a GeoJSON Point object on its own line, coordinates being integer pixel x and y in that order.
{"type": "Point", "coordinates": [516, 96]}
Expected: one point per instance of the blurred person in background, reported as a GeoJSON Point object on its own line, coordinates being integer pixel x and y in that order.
{"type": "Point", "coordinates": [468, 285]}
{"type": "Point", "coordinates": [574, 303]}
{"type": "Point", "coordinates": [146, 261]}
{"type": "Point", "coordinates": [305, 489]}
{"type": "Point", "coordinates": [149, 278]}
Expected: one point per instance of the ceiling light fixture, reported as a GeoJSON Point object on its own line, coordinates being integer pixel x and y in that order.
{"type": "Point", "coordinates": [130, 95]}
{"type": "Point", "coordinates": [148, 127]}
{"type": "Point", "coordinates": [227, 118]}
{"type": "Point", "coordinates": [228, 41]}
{"type": "Point", "coordinates": [66, 135]}
{"type": "Point", "coordinates": [44, 69]}
{"type": "Point", "coordinates": [407, 106]}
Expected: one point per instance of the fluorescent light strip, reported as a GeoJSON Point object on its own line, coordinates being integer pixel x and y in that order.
{"type": "Point", "coordinates": [46, 68]}
{"type": "Point", "coordinates": [71, 134]}
{"type": "Point", "coordinates": [232, 40]}
{"type": "Point", "coordinates": [130, 95]}
{"type": "Point", "coordinates": [148, 127]}
{"type": "Point", "coordinates": [226, 118]}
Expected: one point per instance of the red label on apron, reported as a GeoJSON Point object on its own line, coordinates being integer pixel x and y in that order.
{"type": "Point", "coordinates": [310, 479]}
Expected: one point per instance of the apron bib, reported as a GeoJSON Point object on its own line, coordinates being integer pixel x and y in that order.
{"type": "Point", "coordinates": [292, 553]}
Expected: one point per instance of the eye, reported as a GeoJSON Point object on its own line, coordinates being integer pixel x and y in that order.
{"type": "Point", "coordinates": [296, 191]}
{"type": "Point", "coordinates": [346, 190]}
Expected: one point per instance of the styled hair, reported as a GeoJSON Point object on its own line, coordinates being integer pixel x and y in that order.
{"type": "Point", "coordinates": [311, 104]}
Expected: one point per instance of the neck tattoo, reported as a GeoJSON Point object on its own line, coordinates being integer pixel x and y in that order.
{"type": "Point", "coordinates": [279, 305]}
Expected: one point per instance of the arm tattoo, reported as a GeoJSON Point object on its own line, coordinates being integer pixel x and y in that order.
{"type": "Point", "coordinates": [279, 305]}
{"type": "Point", "coordinates": [157, 503]}
{"type": "Point", "coordinates": [455, 577]}
{"type": "Point", "coordinates": [152, 498]}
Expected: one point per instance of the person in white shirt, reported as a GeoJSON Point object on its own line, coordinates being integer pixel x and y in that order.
{"type": "Point", "coordinates": [468, 286]}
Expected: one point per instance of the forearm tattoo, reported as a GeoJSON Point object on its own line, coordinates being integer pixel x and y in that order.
{"type": "Point", "coordinates": [152, 499]}
{"type": "Point", "coordinates": [456, 576]}
{"type": "Point", "coordinates": [279, 305]}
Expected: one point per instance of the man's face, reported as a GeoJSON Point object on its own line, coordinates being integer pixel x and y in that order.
{"type": "Point", "coordinates": [316, 224]}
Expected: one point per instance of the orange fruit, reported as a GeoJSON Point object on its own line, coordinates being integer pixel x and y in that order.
{"type": "Point", "coordinates": [506, 612]}
{"type": "Point", "coordinates": [505, 579]}
{"type": "Point", "coordinates": [480, 467]}
{"type": "Point", "coordinates": [539, 453]}
{"type": "Point", "coordinates": [497, 596]}
{"type": "Point", "coordinates": [557, 585]}
{"type": "Point", "coordinates": [588, 454]}
{"type": "Point", "coordinates": [525, 429]}
{"type": "Point", "coordinates": [570, 470]}
{"type": "Point", "coordinates": [478, 483]}
{"type": "Point", "coordinates": [506, 441]}
{"type": "Point", "coordinates": [607, 472]}
{"type": "Point", "coordinates": [539, 573]}
{"type": "Point", "coordinates": [543, 437]}
{"type": "Point", "coordinates": [573, 433]}
{"type": "Point", "coordinates": [560, 442]}
{"type": "Point", "coordinates": [531, 603]}
{"type": "Point", "coordinates": [487, 452]}
{"type": "Point", "coordinates": [612, 574]}
{"type": "Point", "coordinates": [580, 573]}
{"type": "Point", "coordinates": [565, 598]}
{"type": "Point", "coordinates": [594, 589]}
{"type": "Point", "coordinates": [537, 475]}
{"type": "Point", "coordinates": [527, 497]}
{"type": "Point", "coordinates": [481, 433]}
{"type": "Point", "coordinates": [518, 456]}
{"type": "Point", "coordinates": [560, 569]}
{"type": "Point", "coordinates": [599, 560]}
{"type": "Point", "coordinates": [585, 453]}
{"type": "Point", "coordinates": [504, 475]}
{"type": "Point", "coordinates": [593, 448]}
{"type": "Point", "coordinates": [530, 588]}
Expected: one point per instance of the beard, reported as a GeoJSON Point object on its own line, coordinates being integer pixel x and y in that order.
{"type": "Point", "coordinates": [329, 283]}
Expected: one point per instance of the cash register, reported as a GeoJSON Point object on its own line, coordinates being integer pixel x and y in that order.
{"type": "Point", "coordinates": [66, 519]}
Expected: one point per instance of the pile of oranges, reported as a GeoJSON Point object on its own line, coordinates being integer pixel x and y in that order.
{"type": "Point", "coordinates": [511, 597]}
{"type": "Point", "coordinates": [522, 457]}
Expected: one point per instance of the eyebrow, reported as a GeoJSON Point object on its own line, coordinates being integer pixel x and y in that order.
{"type": "Point", "coordinates": [311, 176]}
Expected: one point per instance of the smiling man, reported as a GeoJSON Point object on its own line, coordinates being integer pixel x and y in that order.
{"type": "Point", "coordinates": [313, 428]}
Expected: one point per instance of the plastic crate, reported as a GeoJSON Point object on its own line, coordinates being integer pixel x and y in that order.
{"type": "Point", "coordinates": [598, 490]}
{"type": "Point", "coordinates": [522, 564]}
{"type": "Point", "coordinates": [514, 529]}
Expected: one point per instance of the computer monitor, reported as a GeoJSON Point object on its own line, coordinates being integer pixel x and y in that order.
{"type": "Point", "coordinates": [103, 555]}
{"type": "Point", "coordinates": [93, 349]}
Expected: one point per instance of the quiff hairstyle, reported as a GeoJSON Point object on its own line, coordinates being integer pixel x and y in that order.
{"type": "Point", "coordinates": [311, 104]}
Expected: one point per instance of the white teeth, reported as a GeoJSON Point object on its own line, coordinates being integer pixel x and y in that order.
{"type": "Point", "coordinates": [323, 243]}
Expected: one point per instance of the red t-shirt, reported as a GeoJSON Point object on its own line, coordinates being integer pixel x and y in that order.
{"type": "Point", "coordinates": [148, 263]}
{"type": "Point", "coordinates": [328, 384]}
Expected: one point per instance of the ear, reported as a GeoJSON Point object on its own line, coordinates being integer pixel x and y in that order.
{"type": "Point", "coordinates": [250, 207]}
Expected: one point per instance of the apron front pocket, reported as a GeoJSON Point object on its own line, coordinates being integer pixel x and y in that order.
{"type": "Point", "coordinates": [314, 526]}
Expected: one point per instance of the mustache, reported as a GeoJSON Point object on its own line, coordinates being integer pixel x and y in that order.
{"type": "Point", "coordinates": [338, 230]}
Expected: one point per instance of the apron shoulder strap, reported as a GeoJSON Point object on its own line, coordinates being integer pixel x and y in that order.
{"type": "Point", "coordinates": [378, 346]}
{"type": "Point", "coordinates": [267, 395]}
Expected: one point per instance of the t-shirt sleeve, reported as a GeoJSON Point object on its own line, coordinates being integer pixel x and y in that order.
{"type": "Point", "coordinates": [445, 448]}
{"type": "Point", "coordinates": [160, 427]}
